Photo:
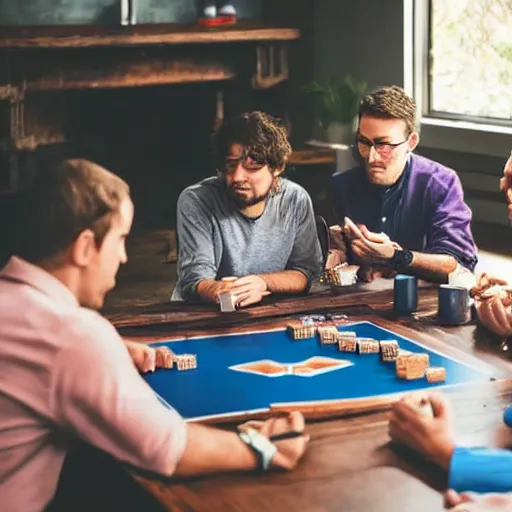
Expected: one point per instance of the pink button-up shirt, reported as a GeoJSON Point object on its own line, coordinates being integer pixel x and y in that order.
{"type": "Point", "coordinates": [64, 369]}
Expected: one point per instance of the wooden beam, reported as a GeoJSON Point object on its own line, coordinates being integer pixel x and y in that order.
{"type": "Point", "coordinates": [155, 34]}
{"type": "Point", "coordinates": [131, 75]}
{"type": "Point", "coordinates": [312, 156]}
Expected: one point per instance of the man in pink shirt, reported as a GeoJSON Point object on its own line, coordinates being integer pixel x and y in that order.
{"type": "Point", "coordinates": [66, 373]}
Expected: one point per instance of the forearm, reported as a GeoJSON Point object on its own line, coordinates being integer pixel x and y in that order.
{"type": "Point", "coordinates": [211, 450]}
{"type": "Point", "coordinates": [481, 470]}
{"type": "Point", "coordinates": [433, 267]}
{"type": "Point", "coordinates": [208, 289]}
{"type": "Point", "coordinates": [287, 281]}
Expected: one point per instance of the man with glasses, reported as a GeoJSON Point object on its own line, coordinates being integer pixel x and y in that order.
{"type": "Point", "coordinates": [247, 222]}
{"type": "Point", "coordinates": [408, 212]}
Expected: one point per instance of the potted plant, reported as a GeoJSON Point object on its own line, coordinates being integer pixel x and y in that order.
{"type": "Point", "coordinates": [335, 104]}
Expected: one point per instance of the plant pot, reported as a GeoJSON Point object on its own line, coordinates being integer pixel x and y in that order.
{"type": "Point", "coordinates": [338, 133]}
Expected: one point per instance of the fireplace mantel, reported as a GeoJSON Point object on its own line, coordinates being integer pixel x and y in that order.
{"type": "Point", "coordinates": [66, 58]}
{"type": "Point", "coordinates": [139, 35]}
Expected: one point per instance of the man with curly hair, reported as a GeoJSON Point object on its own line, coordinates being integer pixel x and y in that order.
{"type": "Point", "coordinates": [411, 210]}
{"type": "Point", "coordinates": [247, 222]}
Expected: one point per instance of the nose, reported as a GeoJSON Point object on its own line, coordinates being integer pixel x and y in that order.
{"type": "Point", "coordinates": [373, 156]}
{"type": "Point", "coordinates": [238, 175]}
{"type": "Point", "coordinates": [123, 257]}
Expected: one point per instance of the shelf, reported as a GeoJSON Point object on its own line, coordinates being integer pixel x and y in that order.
{"type": "Point", "coordinates": [82, 36]}
{"type": "Point", "coordinates": [132, 75]}
{"type": "Point", "coordinates": [312, 157]}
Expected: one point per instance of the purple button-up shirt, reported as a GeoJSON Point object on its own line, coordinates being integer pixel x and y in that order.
{"type": "Point", "coordinates": [424, 211]}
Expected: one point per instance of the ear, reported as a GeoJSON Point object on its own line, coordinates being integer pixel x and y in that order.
{"type": "Point", "coordinates": [83, 248]}
{"type": "Point", "coordinates": [414, 140]}
{"type": "Point", "coordinates": [277, 172]}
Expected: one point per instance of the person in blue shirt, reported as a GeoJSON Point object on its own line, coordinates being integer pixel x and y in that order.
{"type": "Point", "coordinates": [479, 470]}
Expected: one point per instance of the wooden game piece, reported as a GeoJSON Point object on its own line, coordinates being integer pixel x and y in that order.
{"type": "Point", "coordinates": [435, 374]}
{"type": "Point", "coordinates": [340, 275]}
{"type": "Point", "coordinates": [185, 361]}
{"type": "Point", "coordinates": [227, 302]}
{"type": "Point", "coordinates": [347, 334]}
{"type": "Point", "coordinates": [412, 366]}
{"type": "Point", "coordinates": [299, 331]}
{"type": "Point", "coordinates": [389, 350]}
{"type": "Point", "coordinates": [328, 334]}
{"type": "Point", "coordinates": [420, 403]}
{"type": "Point", "coordinates": [347, 344]}
{"type": "Point", "coordinates": [368, 346]}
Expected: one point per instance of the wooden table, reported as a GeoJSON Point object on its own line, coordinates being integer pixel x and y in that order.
{"type": "Point", "coordinates": [350, 464]}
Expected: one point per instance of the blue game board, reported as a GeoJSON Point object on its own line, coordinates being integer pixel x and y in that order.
{"type": "Point", "coordinates": [216, 388]}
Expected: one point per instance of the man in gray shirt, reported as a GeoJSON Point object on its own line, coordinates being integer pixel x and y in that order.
{"type": "Point", "coordinates": [247, 222]}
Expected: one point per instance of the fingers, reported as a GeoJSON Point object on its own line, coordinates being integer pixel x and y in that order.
{"type": "Point", "coordinates": [352, 230]}
{"type": "Point", "coordinates": [247, 300]}
{"type": "Point", "coordinates": [440, 405]}
{"type": "Point", "coordinates": [149, 362]}
{"type": "Point", "coordinates": [164, 357]}
{"type": "Point", "coordinates": [452, 498]}
{"type": "Point", "coordinates": [254, 424]}
{"type": "Point", "coordinates": [494, 316]}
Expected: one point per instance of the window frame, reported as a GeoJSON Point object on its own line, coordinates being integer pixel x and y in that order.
{"type": "Point", "coordinates": [442, 130]}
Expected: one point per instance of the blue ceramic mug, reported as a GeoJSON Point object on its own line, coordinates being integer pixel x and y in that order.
{"type": "Point", "coordinates": [453, 305]}
{"type": "Point", "coordinates": [405, 294]}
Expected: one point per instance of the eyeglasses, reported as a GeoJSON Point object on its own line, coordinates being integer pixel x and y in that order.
{"type": "Point", "coordinates": [248, 163]}
{"type": "Point", "coordinates": [384, 149]}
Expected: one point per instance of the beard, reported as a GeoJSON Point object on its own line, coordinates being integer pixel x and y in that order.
{"type": "Point", "coordinates": [244, 200]}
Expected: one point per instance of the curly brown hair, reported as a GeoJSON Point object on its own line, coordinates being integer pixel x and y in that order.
{"type": "Point", "coordinates": [263, 137]}
{"type": "Point", "coordinates": [65, 200]}
{"type": "Point", "coordinates": [390, 102]}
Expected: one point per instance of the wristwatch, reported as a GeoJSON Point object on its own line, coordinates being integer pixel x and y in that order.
{"type": "Point", "coordinates": [401, 259]}
{"type": "Point", "coordinates": [261, 445]}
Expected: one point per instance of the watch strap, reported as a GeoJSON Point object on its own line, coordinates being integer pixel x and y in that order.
{"type": "Point", "coordinates": [263, 447]}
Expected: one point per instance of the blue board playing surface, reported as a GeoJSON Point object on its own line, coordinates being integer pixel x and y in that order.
{"type": "Point", "coordinates": [215, 388]}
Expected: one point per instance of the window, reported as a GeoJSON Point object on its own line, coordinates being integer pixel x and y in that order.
{"type": "Point", "coordinates": [458, 67]}
{"type": "Point", "coordinates": [470, 65]}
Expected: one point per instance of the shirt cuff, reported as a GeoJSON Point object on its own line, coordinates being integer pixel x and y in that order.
{"type": "Point", "coordinates": [481, 470]}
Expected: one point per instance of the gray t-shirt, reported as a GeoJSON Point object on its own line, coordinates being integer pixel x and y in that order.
{"type": "Point", "coordinates": [216, 240]}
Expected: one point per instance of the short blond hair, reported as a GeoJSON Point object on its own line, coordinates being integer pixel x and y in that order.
{"type": "Point", "coordinates": [65, 200]}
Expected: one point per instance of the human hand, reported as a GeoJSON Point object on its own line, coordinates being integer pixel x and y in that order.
{"type": "Point", "coordinates": [432, 437]}
{"type": "Point", "coordinates": [472, 502]}
{"type": "Point", "coordinates": [147, 358]}
{"type": "Point", "coordinates": [494, 311]}
{"type": "Point", "coordinates": [248, 290]}
{"type": "Point", "coordinates": [289, 451]}
{"type": "Point", "coordinates": [337, 247]}
{"type": "Point", "coordinates": [484, 283]}
{"type": "Point", "coordinates": [367, 246]}
{"type": "Point", "coordinates": [506, 184]}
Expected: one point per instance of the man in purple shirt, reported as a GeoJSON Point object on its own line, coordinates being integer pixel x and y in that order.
{"type": "Point", "coordinates": [66, 373]}
{"type": "Point", "coordinates": [411, 210]}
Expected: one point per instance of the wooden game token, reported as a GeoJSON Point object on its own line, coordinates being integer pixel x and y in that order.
{"type": "Point", "coordinates": [227, 302]}
{"type": "Point", "coordinates": [185, 361]}
{"type": "Point", "coordinates": [435, 374]}
{"type": "Point", "coordinates": [228, 281]}
{"type": "Point", "coordinates": [412, 366]}
{"type": "Point", "coordinates": [328, 334]}
{"type": "Point", "coordinates": [368, 346]}
{"type": "Point", "coordinates": [299, 331]}
{"type": "Point", "coordinates": [389, 350]}
{"type": "Point", "coordinates": [347, 344]}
